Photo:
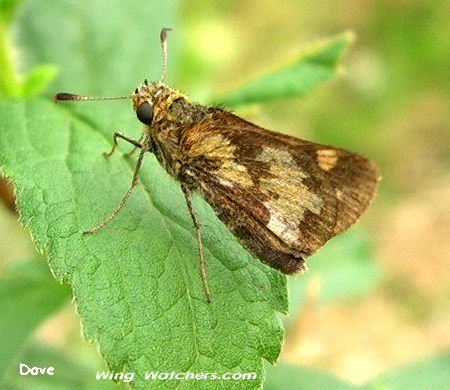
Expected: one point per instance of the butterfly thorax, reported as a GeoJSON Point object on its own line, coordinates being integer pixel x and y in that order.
{"type": "Point", "coordinates": [173, 112]}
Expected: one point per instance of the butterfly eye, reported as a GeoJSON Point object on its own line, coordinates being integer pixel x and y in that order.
{"type": "Point", "coordinates": [145, 113]}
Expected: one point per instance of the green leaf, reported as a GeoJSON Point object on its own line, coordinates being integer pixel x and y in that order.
{"type": "Point", "coordinates": [69, 373]}
{"type": "Point", "coordinates": [307, 70]}
{"type": "Point", "coordinates": [136, 283]}
{"type": "Point", "coordinates": [38, 80]}
{"type": "Point", "coordinates": [28, 295]}
{"type": "Point", "coordinates": [286, 376]}
{"type": "Point", "coordinates": [431, 374]}
{"type": "Point", "coordinates": [9, 84]}
{"type": "Point", "coordinates": [345, 268]}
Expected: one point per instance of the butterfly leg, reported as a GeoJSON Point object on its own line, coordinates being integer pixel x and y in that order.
{"type": "Point", "coordinates": [136, 147]}
{"type": "Point", "coordinates": [118, 134]}
{"type": "Point", "coordinates": [187, 195]}
{"type": "Point", "coordinates": [134, 182]}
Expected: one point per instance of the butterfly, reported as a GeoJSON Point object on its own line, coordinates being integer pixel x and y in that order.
{"type": "Point", "coordinates": [281, 196]}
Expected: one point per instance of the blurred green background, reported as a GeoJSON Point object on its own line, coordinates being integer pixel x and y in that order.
{"type": "Point", "coordinates": [376, 299]}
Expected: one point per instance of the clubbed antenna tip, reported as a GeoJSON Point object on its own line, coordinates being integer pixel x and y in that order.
{"type": "Point", "coordinates": [163, 37]}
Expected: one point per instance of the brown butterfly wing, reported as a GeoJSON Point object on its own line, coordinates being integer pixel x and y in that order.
{"type": "Point", "coordinates": [283, 197]}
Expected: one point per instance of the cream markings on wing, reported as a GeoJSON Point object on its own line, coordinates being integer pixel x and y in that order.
{"type": "Point", "coordinates": [232, 172]}
{"type": "Point", "coordinates": [213, 147]}
{"type": "Point", "coordinates": [288, 197]}
{"type": "Point", "coordinates": [327, 159]}
{"type": "Point", "coordinates": [219, 148]}
{"type": "Point", "coordinates": [225, 183]}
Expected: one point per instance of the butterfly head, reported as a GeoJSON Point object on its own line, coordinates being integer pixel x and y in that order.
{"type": "Point", "coordinates": [144, 100]}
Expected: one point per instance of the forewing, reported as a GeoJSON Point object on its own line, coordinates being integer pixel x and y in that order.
{"type": "Point", "coordinates": [281, 196]}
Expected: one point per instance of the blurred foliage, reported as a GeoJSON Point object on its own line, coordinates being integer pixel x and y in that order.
{"type": "Point", "coordinates": [344, 269]}
{"type": "Point", "coordinates": [294, 79]}
{"type": "Point", "coordinates": [284, 376]}
{"type": "Point", "coordinates": [72, 372]}
{"type": "Point", "coordinates": [431, 374]}
{"type": "Point", "coordinates": [36, 81]}
{"type": "Point", "coordinates": [28, 295]}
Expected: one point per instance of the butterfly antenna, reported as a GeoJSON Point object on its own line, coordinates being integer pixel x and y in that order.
{"type": "Point", "coordinates": [163, 37]}
{"type": "Point", "coordinates": [71, 97]}
{"type": "Point", "coordinates": [65, 96]}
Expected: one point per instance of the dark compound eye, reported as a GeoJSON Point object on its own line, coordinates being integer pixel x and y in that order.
{"type": "Point", "coordinates": [145, 113]}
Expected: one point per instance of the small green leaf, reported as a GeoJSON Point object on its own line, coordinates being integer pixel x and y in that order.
{"type": "Point", "coordinates": [10, 83]}
{"type": "Point", "coordinates": [38, 80]}
{"type": "Point", "coordinates": [28, 295]}
{"type": "Point", "coordinates": [317, 64]}
{"type": "Point", "coordinates": [285, 376]}
{"type": "Point", "coordinates": [136, 283]}
{"type": "Point", "coordinates": [431, 374]}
